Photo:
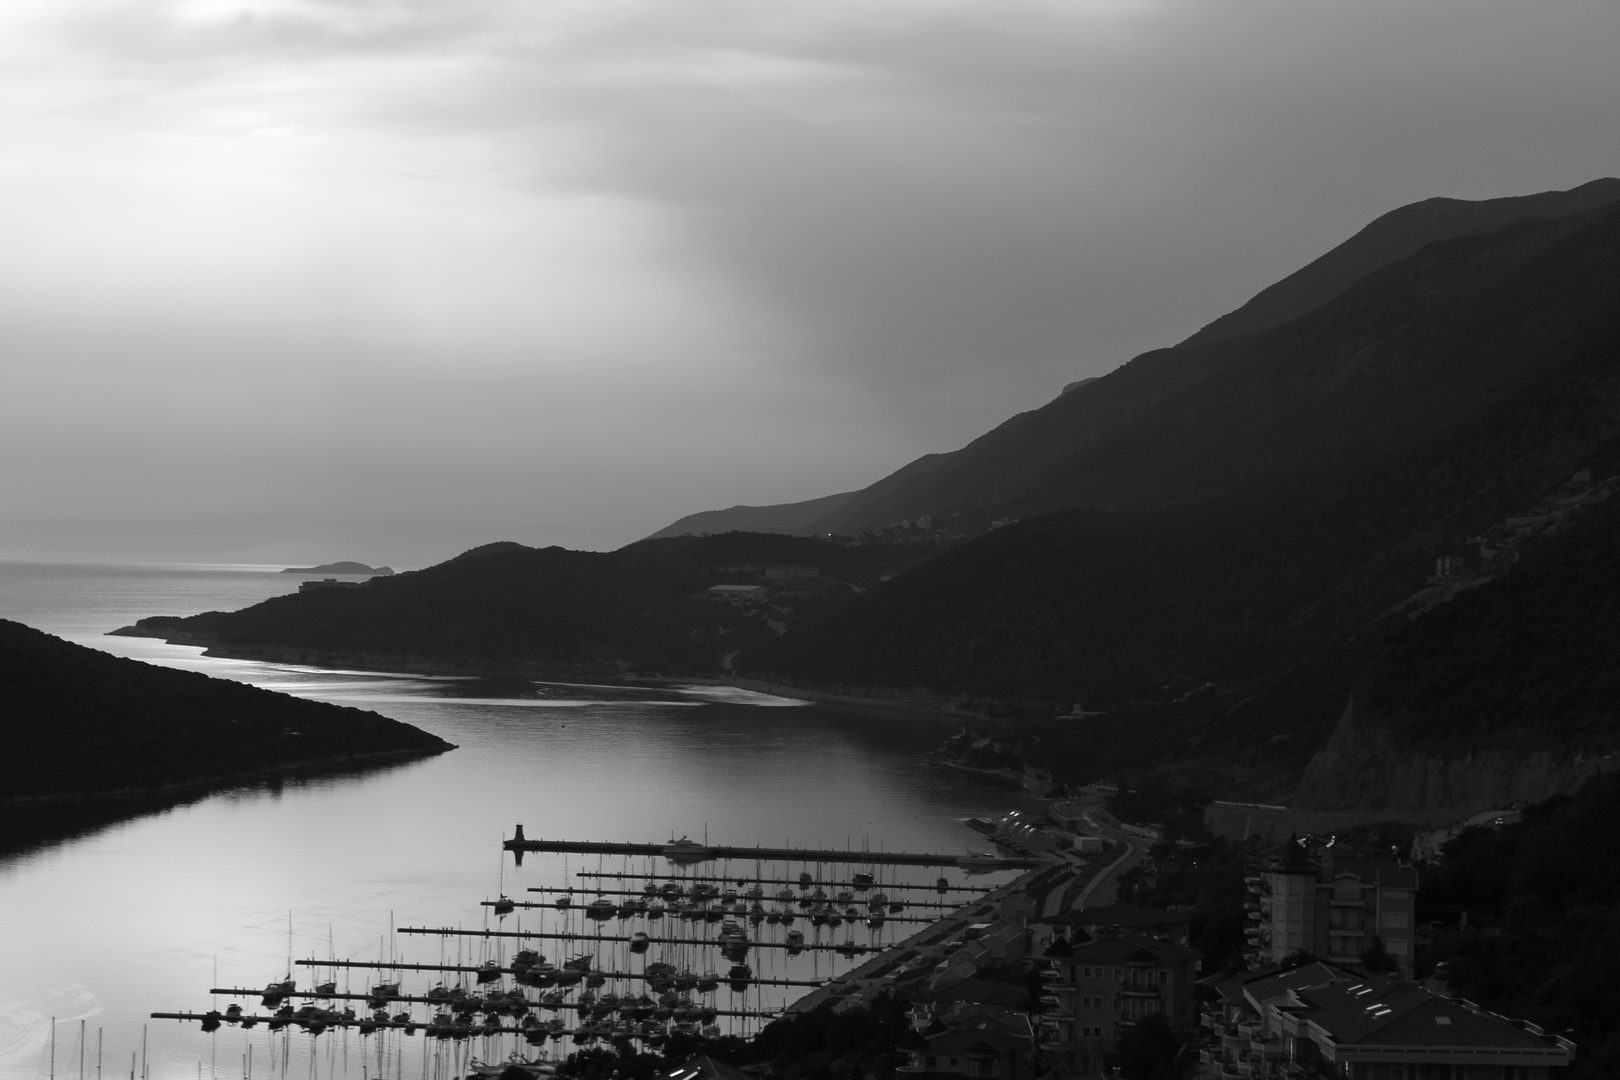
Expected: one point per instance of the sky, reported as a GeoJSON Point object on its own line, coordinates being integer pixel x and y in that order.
{"type": "Point", "coordinates": [305, 280]}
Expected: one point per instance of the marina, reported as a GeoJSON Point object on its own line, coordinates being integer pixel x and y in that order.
{"type": "Point", "coordinates": [629, 989]}
{"type": "Point", "coordinates": [341, 853]}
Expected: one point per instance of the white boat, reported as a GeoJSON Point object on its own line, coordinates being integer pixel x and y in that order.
{"type": "Point", "coordinates": [978, 860]}
{"type": "Point", "coordinates": [686, 850]}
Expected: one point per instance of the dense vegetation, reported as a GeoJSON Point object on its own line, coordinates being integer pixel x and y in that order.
{"type": "Point", "coordinates": [1542, 940]}
{"type": "Point", "coordinates": [1528, 660]}
{"type": "Point", "coordinates": [81, 722]}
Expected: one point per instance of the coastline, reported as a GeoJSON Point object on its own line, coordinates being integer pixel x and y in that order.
{"type": "Point", "coordinates": [473, 667]}
{"type": "Point", "coordinates": [210, 784]}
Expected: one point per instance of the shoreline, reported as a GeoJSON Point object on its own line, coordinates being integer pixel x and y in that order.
{"type": "Point", "coordinates": [212, 784]}
{"type": "Point", "coordinates": [469, 667]}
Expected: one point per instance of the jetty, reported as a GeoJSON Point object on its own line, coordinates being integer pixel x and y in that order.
{"type": "Point", "coordinates": [532, 1004]}
{"type": "Point", "coordinates": [692, 852]}
{"type": "Point", "coordinates": [427, 1027]}
{"type": "Point", "coordinates": [466, 969]}
{"type": "Point", "coordinates": [739, 912]}
{"type": "Point", "coordinates": [619, 939]}
{"type": "Point", "coordinates": [881, 886]}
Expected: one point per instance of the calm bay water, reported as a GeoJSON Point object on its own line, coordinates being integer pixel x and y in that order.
{"type": "Point", "coordinates": [146, 915]}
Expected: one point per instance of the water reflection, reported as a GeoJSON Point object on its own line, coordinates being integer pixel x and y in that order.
{"type": "Point", "coordinates": [145, 915]}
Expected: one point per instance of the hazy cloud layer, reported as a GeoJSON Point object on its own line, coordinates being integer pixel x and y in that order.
{"type": "Point", "coordinates": [297, 279]}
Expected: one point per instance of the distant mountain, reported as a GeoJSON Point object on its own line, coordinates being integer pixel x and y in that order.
{"type": "Point", "coordinates": [1252, 505]}
{"type": "Point", "coordinates": [791, 518]}
{"type": "Point", "coordinates": [1086, 449]}
{"type": "Point", "coordinates": [354, 568]}
{"type": "Point", "coordinates": [82, 723]}
{"type": "Point", "coordinates": [546, 612]}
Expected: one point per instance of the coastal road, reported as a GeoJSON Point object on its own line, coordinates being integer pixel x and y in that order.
{"type": "Point", "coordinates": [1104, 888]}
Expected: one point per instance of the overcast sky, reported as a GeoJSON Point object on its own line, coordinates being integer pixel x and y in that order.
{"type": "Point", "coordinates": [385, 279]}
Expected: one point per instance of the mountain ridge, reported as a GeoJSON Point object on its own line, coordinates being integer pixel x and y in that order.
{"type": "Point", "coordinates": [1008, 455]}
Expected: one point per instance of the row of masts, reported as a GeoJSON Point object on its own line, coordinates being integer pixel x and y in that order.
{"type": "Point", "coordinates": [942, 885]}
{"type": "Point", "coordinates": [515, 1012]}
{"type": "Point", "coordinates": [563, 890]}
{"type": "Point", "coordinates": [380, 965]}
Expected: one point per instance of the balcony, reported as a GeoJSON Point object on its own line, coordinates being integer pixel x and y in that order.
{"type": "Point", "coordinates": [1265, 1046]}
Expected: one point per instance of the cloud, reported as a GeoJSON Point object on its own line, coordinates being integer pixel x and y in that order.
{"type": "Point", "coordinates": [565, 271]}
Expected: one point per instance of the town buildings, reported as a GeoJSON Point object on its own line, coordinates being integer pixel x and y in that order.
{"type": "Point", "coordinates": [1321, 1020]}
{"type": "Point", "coordinates": [1339, 908]}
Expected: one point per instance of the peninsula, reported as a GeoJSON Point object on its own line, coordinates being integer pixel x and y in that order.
{"type": "Point", "coordinates": [83, 724]}
{"type": "Point", "coordinates": [356, 568]}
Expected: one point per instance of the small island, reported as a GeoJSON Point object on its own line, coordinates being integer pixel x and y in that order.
{"type": "Point", "coordinates": [82, 724]}
{"type": "Point", "coordinates": [355, 568]}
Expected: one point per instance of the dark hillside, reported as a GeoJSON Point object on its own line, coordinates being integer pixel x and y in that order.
{"type": "Point", "coordinates": [792, 518]}
{"type": "Point", "coordinates": [1419, 346]}
{"type": "Point", "coordinates": [1272, 594]}
{"type": "Point", "coordinates": [81, 722]}
{"type": "Point", "coordinates": [1507, 694]}
{"type": "Point", "coordinates": [548, 612]}
{"type": "Point", "coordinates": [1040, 460]}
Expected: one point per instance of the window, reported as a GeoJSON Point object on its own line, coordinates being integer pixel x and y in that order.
{"type": "Point", "coordinates": [1395, 920]}
{"type": "Point", "coordinates": [1164, 977]}
{"type": "Point", "coordinates": [1119, 974]}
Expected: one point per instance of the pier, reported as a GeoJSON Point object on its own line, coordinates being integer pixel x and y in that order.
{"type": "Point", "coordinates": [739, 912]}
{"type": "Point", "coordinates": [534, 1006]}
{"type": "Point", "coordinates": [621, 940]}
{"type": "Point", "coordinates": [374, 965]}
{"type": "Point", "coordinates": [878, 886]}
{"type": "Point", "coordinates": [692, 852]}
{"type": "Point", "coordinates": [428, 1028]}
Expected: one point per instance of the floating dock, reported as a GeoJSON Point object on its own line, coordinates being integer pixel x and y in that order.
{"type": "Point", "coordinates": [614, 939]}
{"type": "Point", "coordinates": [886, 886]}
{"type": "Point", "coordinates": [691, 852]}
{"type": "Point", "coordinates": [374, 965]}
{"type": "Point", "coordinates": [533, 1006]}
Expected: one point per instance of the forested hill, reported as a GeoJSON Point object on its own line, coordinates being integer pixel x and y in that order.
{"type": "Point", "coordinates": [1321, 468]}
{"type": "Point", "coordinates": [80, 722]}
{"type": "Point", "coordinates": [548, 611]}
{"type": "Point", "coordinates": [1507, 694]}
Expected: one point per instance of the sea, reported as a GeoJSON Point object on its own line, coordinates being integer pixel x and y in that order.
{"type": "Point", "coordinates": [111, 915]}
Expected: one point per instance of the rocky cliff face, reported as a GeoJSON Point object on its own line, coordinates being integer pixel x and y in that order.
{"type": "Point", "coordinates": [1369, 765]}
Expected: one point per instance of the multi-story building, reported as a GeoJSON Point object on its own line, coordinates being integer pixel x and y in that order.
{"type": "Point", "coordinates": [1331, 907]}
{"type": "Point", "coordinates": [1096, 990]}
{"type": "Point", "coordinates": [1318, 1020]}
